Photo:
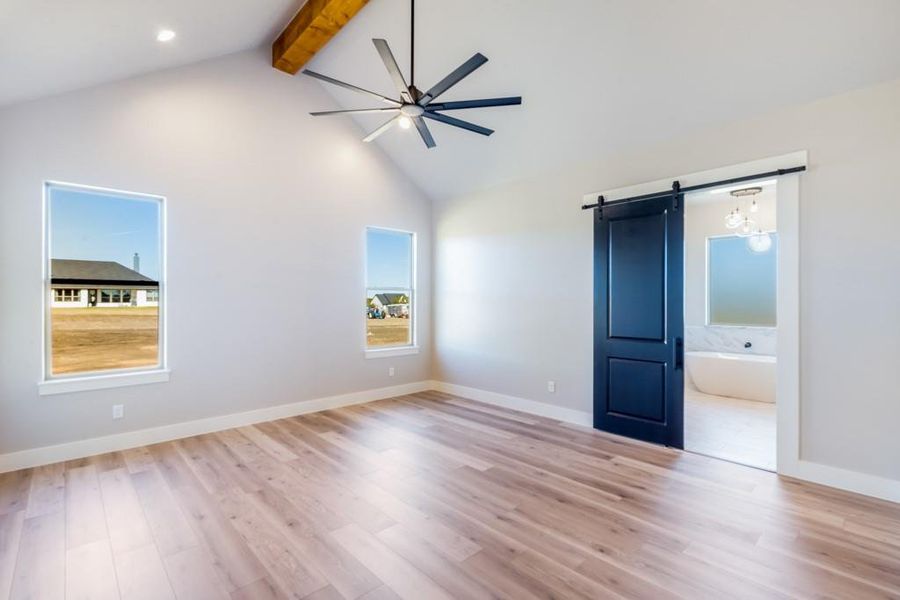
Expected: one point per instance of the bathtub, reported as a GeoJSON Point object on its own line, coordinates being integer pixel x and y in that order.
{"type": "Point", "coordinates": [747, 376]}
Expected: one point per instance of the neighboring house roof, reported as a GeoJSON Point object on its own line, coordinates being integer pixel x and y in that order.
{"type": "Point", "coordinates": [96, 272]}
{"type": "Point", "coordinates": [386, 299]}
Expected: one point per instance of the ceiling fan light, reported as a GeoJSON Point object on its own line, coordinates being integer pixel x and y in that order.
{"type": "Point", "coordinates": [404, 122]}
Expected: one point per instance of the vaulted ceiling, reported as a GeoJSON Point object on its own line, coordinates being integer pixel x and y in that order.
{"type": "Point", "coordinates": [597, 76]}
{"type": "Point", "coordinates": [51, 46]}
{"type": "Point", "coordinates": [603, 76]}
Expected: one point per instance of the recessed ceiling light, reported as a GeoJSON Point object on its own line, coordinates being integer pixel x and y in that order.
{"type": "Point", "coordinates": [165, 35]}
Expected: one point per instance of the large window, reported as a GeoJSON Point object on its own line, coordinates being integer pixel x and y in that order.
{"type": "Point", "coordinates": [104, 257]}
{"type": "Point", "coordinates": [390, 288]}
{"type": "Point", "coordinates": [741, 282]}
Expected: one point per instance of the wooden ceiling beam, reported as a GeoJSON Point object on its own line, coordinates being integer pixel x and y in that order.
{"type": "Point", "coordinates": [311, 28]}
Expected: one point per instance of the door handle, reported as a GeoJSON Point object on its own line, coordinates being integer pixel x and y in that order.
{"type": "Point", "coordinates": [679, 353]}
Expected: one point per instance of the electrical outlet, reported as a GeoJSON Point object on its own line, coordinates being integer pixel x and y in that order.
{"type": "Point", "coordinates": [551, 386]}
{"type": "Point", "coordinates": [118, 411]}
{"type": "Point", "coordinates": [390, 371]}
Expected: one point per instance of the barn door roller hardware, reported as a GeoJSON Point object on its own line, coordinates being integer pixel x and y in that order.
{"type": "Point", "coordinates": [677, 189]}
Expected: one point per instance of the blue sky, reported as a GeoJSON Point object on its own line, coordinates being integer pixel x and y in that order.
{"type": "Point", "coordinates": [388, 259]}
{"type": "Point", "coordinates": [91, 226]}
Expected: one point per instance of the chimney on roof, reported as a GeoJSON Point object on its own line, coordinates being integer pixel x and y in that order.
{"type": "Point", "coordinates": [137, 263]}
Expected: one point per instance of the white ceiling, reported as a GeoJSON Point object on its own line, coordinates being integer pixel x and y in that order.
{"type": "Point", "coordinates": [51, 46]}
{"type": "Point", "coordinates": [597, 76]}
{"type": "Point", "coordinates": [602, 76]}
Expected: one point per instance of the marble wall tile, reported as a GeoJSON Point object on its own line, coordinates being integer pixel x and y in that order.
{"type": "Point", "coordinates": [730, 339]}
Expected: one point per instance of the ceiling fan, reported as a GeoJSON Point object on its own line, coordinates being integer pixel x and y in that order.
{"type": "Point", "coordinates": [414, 106]}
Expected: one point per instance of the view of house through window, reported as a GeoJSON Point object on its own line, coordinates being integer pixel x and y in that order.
{"type": "Point", "coordinates": [389, 288]}
{"type": "Point", "coordinates": [741, 282]}
{"type": "Point", "coordinates": [105, 254]}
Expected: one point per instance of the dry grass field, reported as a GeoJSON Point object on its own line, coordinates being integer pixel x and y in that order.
{"type": "Point", "coordinates": [95, 339]}
{"type": "Point", "coordinates": [387, 332]}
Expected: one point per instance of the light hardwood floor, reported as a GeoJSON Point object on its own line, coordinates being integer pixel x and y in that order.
{"type": "Point", "coordinates": [430, 496]}
{"type": "Point", "coordinates": [742, 431]}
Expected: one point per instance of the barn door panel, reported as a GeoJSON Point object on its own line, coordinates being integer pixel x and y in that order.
{"type": "Point", "coordinates": [638, 319]}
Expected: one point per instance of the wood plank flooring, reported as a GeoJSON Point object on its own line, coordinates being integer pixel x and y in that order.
{"type": "Point", "coordinates": [432, 496]}
{"type": "Point", "coordinates": [742, 431]}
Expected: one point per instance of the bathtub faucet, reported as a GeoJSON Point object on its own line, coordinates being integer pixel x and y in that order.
{"type": "Point", "coordinates": [747, 344]}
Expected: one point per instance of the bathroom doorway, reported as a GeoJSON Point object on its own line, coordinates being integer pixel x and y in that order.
{"type": "Point", "coordinates": [730, 323]}
{"type": "Point", "coordinates": [781, 344]}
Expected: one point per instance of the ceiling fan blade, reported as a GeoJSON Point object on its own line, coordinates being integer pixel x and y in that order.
{"type": "Point", "coordinates": [381, 129]}
{"type": "Point", "coordinates": [391, 65]}
{"type": "Point", "coordinates": [458, 123]}
{"type": "Point", "coordinates": [476, 103]}
{"type": "Point", "coordinates": [357, 111]}
{"type": "Point", "coordinates": [424, 132]}
{"type": "Point", "coordinates": [460, 73]}
{"type": "Point", "coordinates": [349, 86]}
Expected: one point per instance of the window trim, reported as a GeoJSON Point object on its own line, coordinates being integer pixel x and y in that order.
{"type": "Point", "coordinates": [61, 296]}
{"type": "Point", "coordinates": [708, 319]}
{"type": "Point", "coordinates": [400, 349]}
{"type": "Point", "coordinates": [93, 380]}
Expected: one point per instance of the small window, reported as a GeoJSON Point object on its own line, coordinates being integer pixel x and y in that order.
{"type": "Point", "coordinates": [390, 288]}
{"type": "Point", "coordinates": [66, 295]}
{"type": "Point", "coordinates": [105, 256]}
{"type": "Point", "coordinates": [741, 282]}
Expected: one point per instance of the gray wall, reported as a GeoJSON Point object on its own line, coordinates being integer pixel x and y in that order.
{"type": "Point", "coordinates": [266, 214]}
{"type": "Point", "coordinates": [513, 284]}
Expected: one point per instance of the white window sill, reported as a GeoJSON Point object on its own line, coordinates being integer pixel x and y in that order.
{"type": "Point", "coordinates": [100, 382]}
{"type": "Point", "coordinates": [389, 352]}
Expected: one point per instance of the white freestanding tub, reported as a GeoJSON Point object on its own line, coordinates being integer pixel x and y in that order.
{"type": "Point", "coordinates": [747, 376]}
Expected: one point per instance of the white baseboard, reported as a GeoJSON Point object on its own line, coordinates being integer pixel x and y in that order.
{"type": "Point", "coordinates": [142, 437]}
{"type": "Point", "coordinates": [844, 479]}
{"type": "Point", "coordinates": [541, 409]}
{"type": "Point", "coordinates": [851, 481]}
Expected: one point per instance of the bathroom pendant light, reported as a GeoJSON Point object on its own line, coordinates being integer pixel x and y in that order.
{"type": "Point", "coordinates": [760, 242]}
{"type": "Point", "coordinates": [734, 219]}
{"type": "Point", "coordinates": [746, 228]}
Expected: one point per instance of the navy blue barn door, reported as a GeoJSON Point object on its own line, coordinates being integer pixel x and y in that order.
{"type": "Point", "coordinates": [638, 319]}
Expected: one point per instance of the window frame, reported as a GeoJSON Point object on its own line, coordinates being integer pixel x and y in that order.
{"type": "Point", "coordinates": [401, 349]}
{"type": "Point", "coordinates": [66, 295]}
{"type": "Point", "coordinates": [48, 383]}
{"type": "Point", "coordinates": [709, 322]}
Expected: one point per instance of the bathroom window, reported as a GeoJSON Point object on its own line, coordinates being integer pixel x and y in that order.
{"type": "Point", "coordinates": [741, 282]}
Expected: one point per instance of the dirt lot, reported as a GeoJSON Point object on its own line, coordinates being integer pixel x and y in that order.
{"type": "Point", "coordinates": [387, 332]}
{"type": "Point", "coordinates": [93, 339]}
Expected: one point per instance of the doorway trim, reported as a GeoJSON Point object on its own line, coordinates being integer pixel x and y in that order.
{"type": "Point", "coordinates": [787, 391]}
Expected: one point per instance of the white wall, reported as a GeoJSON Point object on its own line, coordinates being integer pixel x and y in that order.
{"type": "Point", "coordinates": [267, 208]}
{"type": "Point", "coordinates": [513, 283]}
